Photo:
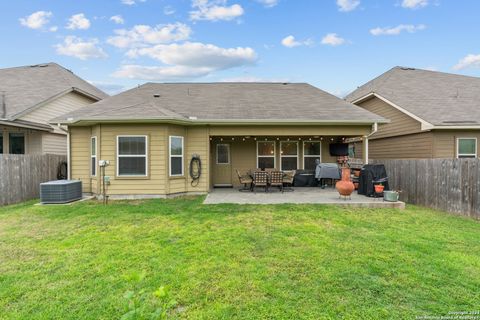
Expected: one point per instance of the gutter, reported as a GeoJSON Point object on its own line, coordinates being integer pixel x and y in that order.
{"type": "Point", "coordinates": [224, 121]}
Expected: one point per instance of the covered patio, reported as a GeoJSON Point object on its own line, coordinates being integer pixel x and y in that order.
{"type": "Point", "coordinates": [299, 196]}
{"type": "Point", "coordinates": [231, 155]}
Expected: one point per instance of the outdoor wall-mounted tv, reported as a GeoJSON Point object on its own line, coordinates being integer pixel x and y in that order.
{"type": "Point", "coordinates": [339, 149]}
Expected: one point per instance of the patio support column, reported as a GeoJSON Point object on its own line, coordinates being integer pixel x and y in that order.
{"type": "Point", "coordinates": [365, 149]}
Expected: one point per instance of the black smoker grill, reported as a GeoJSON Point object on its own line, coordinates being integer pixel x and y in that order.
{"type": "Point", "coordinates": [371, 174]}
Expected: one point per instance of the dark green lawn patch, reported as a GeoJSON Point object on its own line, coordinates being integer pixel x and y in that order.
{"type": "Point", "coordinates": [237, 261]}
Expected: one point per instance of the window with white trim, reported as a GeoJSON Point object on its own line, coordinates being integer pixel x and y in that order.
{"type": "Point", "coordinates": [93, 156]}
{"type": "Point", "coordinates": [466, 147]}
{"type": "Point", "coordinates": [176, 156]}
{"type": "Point", "coordinates": [223, 153]}
{"type": "Point", "coordinates": [288, 155]}
{"type": "Point", "coordinates": [16, 143]}
{"type": "Point", "coordinates": [132, 156]}
{"type": "Point", "coordinates": [265, 154]}
{"type": "Point", "coordinates": [312, 151]}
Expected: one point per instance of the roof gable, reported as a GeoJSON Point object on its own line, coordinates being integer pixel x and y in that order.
{"type": "Point", "coordinates": [436, 98]}
{"type": "Point", "coordinates": [25, 88]}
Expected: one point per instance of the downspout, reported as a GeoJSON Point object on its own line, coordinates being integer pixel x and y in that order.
{"type": "Point", "coordinates": [68, 148]}
{"type": "Point", "coordinates": [365, 140]}
{"type": "Point", "coordinates": [3, 106]}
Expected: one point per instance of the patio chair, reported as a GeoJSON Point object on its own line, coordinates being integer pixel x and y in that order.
{"type": "Point", "coordinates": [288, 179]}
{"type": "Point", "coordinates": [276, 179]}
{"type": "Point", "coordinates": [270, 169]}
{"type": "Point", "coordinates": [260, 179]}
{"type": "Point", "coordinates": [246, 180]}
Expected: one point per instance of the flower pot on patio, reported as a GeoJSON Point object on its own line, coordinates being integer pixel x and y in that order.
{"type": "Point", "coordinates": [345, 186]}
{"type": "Point", "coordinates": [379, 188]}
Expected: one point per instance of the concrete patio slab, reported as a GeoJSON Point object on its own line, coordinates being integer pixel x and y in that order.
{"type": "Point", "coordinates": [299, 195]}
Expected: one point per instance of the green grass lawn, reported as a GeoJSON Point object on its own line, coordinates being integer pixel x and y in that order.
{"type": "Point", "coordinates": [237, 261]}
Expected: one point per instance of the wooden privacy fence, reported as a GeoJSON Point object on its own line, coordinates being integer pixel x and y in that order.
{"type": "Point", "coordinates": [447, 184]}
{"type": "Point", "coordinates": [21, 175]}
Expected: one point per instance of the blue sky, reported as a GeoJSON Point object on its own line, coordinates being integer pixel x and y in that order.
{"type": "Point", "coordinates": [335, 45]}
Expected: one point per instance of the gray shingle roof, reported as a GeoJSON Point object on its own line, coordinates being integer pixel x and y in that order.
{"type": "Point", "coordinates": [439, 98]}
{"type": "Point", "coordinates": [25, 87]}
{"type": "Point", "coordinates": [224, 102]}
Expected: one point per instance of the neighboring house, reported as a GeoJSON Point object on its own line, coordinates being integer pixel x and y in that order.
{"type": "Point", "coordinates": [149, 134]}
{"type": "Point", "coordinates": [32, 95]}
{"type": "Point", "coordinates": [433, 114]}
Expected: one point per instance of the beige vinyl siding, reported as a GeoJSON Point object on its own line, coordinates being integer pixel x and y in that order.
{"type": "Point", "coordinates": [414, 146]}
{"type": "Point", "coordinates": [80, 156]}
{"type": "Point", "coordinates": [33, 141]}
{"type": "Point", "coordinates": [198, 142]}
{"type": "Point", "coordinates": [445, 142]}
{"type": "Point", "coordinates": [54, 143]}
{"type": "Point", "coordinates": [60, 106]}
{"type": "Point", "coordinates": [155, 182]}
{"type": "Point", "coordinates": [400, 123]}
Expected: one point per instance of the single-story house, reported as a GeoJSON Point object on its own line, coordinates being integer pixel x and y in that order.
{"type": "Point", "coordinates": [433, 114]}
{"type": "Point", "coordinates": [149, 134]}
{"type": "Point", "coordinates": [32, 95]}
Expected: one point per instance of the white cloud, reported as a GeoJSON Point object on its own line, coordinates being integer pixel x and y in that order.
{"type": "Point", "coordinates": [469, 61]}
{"type": "Point", "coordinates": [168, 10]}
{"type": "Point", "coordinates": [78, 21]}
{"type": "Point", "coordinates": [198, 55]}
{"type": "Point", "coordinates": [214, 10]}
{"type": "Point", "coordinates": [347, 5]}
{"type": "Point", "coordinates": [291, 42]}
{"type": "Point", "coordinates": [82, 49]}
{"type": "Point", "coordinates": [36, 20]}
{"type": "Point", "coordinates": [118, 19]}
{"type": "Point", "coordinates": [410, 28]}
{"type": "Point", "coordinates": [132, 2]}
{"type": "Point", "coordinates": [142, 35]}
{"type": "Point", "coordinates": [159, 73]}
{"type": "Point", "coordinates": [332, 39]}
{"type": "Point", "coordinates": [187, 60]}
{"type": "Point", "coordinates": [53, 29]}
{"type": "Point", "coordinates": [269, 3]}
{"type": "Point", "coordinates": [414, 4]}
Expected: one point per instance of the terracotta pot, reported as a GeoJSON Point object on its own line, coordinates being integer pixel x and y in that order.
{"type": "Point", "coordinates": [379, 188]}
{"type": "Point", "coordinates": [356, 184]}
{"type": "Point", "coordinates": [345, 186]}
{"type": "Point", "coordinates": [356, 173]}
